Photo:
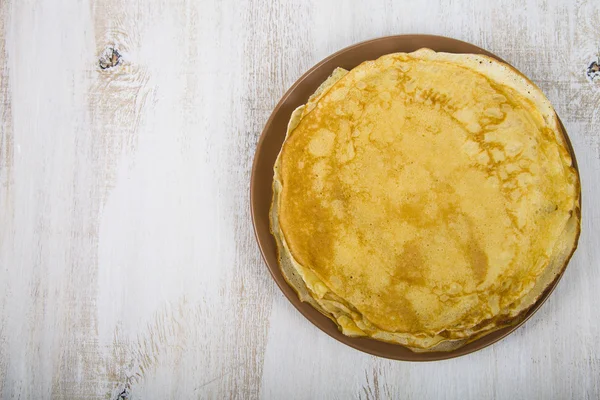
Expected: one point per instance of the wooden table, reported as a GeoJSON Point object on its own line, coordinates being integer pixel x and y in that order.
{"type": "Point", "coordinates": [128, 265]}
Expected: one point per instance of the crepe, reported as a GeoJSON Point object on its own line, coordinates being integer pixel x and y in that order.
{"type": "Point", "coordinates": [424, 199]}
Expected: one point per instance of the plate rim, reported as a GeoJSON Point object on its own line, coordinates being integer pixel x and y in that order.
{"type": "Point", "coordinates": [357, 343]}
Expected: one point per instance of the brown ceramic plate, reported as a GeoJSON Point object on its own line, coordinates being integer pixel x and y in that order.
{"type": "Point", "coordinates": [261, 183]}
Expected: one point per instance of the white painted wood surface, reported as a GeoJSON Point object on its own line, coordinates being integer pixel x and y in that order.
{"type": "Point", "coordinates": [128, 266]}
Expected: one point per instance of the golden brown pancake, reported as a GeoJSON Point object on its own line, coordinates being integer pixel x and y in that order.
{"type": "Point", "coordinates": [424, 199]}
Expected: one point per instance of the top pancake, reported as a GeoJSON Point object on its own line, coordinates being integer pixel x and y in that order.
{"type": "Point", "coordinates": [426, 197]}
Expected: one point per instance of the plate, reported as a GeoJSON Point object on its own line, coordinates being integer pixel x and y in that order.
{"type": "Point", "coordinates": [261, 183]}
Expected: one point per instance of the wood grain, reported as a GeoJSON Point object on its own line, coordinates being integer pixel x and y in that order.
{"type": "Point", "coordinates": [128, 266]}
{"type": "Point", "coordinates": [6, 162]}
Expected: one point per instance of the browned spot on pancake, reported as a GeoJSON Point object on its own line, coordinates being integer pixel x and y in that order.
{"type": "Point", "coordinates": [410, 265]}
{"type": "Point", "coordinates": [407, 314]}
{"type": "Point", "coordinates": [317, 236]}
{"type": "Point", "coordinates": [400, 316]}
{"type": "Point", "coordinates": [412, 213]}
{"type": "Point", "coordinates": [478, 259]}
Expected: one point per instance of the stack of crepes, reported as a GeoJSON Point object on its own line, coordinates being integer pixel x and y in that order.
{"type": "Point", "coordinates": [425, 199]}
